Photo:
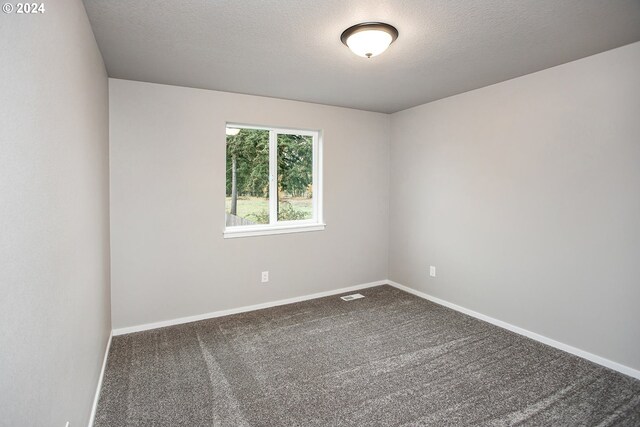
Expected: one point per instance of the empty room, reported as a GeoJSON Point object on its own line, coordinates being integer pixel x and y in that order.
{"type": "Point", "coordinates": [320, 213]}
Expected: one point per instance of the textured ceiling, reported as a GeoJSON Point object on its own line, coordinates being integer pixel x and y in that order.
{"type": "Point", "coordinates": [291, 48]}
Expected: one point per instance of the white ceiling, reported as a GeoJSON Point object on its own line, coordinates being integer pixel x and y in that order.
{"type": "Point", "coordinates": [291, 48]}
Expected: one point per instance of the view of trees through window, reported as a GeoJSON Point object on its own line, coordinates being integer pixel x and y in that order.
{"type": "Point", "coordinates": [248, 161]}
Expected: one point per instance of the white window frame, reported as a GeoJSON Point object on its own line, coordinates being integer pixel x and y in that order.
{"type": "Point", "coordinates": [281, 227]}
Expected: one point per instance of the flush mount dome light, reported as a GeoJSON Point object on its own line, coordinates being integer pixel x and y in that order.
{"type": "Point", "coordinates": [232, 131]}
{"type": "Point", "coordinates": [369, 38]}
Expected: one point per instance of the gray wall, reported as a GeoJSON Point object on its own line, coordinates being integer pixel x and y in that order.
{"type": "Point", "coordinates": [167, 204]}
{"type": "Point", "coordinates": [54, 226]}
{"type": "Point", "coordinates": [526, 197]}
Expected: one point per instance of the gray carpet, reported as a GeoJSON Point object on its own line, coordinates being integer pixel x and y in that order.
{"type": "Point", "coordinates": [390, 359]}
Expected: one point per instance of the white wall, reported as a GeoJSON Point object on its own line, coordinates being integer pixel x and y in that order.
{"type": "Point", "coordinates": [169, 259]}
{"type": "Point", "coordinates": [54, 226]}
{"type": "Point", "coordinates": [526, 197]}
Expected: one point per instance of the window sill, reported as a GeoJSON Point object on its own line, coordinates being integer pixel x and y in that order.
{"type": "Point", "coordinates": [249, 231]}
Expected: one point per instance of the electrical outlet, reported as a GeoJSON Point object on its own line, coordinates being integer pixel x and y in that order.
{"type": "Point", "coordinates": [265, 276]}
{"type": "Point", "coordinates": [432, 271]}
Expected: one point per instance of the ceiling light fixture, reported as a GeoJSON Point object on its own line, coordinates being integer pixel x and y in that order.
{"type": "Point", "coordinates": [232, 131]}
{"type": "Point", "coordinates": [369, 38]}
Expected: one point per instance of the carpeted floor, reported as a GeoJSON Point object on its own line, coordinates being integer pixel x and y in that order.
{"type": "Point", "coordinates": [390, 359]}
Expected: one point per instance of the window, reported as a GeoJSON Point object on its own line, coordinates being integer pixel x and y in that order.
{"type": "Point", "coordinates": [273, 182]}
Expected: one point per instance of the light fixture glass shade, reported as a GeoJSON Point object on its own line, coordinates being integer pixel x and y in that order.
{"type": "Point", "coordinates": [232, 131]}
{"type": "Point", "coordinates": [369, 43]}
{"type": "Point", "coordinates": [369, 38]}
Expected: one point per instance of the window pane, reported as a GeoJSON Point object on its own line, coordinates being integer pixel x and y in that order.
{"type": "Point", "coordinates": [295, 177]}
{"type": "Point", "coordinates": [247, 200]}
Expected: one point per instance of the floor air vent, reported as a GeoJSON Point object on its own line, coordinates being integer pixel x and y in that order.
{"type": "Point", "coordinates": [351, 297]}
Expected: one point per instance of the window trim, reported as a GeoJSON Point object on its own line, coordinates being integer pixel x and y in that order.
{"type": "Point", "coordinates": [282, 227]}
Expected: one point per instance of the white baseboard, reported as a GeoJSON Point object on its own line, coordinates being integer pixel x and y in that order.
{"type": "Point", "coordinates": [181, 320]}
{"type": "Point", "coordinates": [541, 338]}
{"type": "Point", "coordinates": [545, 340]}
{"type": "Point", "coordinates": [99, 387]}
